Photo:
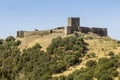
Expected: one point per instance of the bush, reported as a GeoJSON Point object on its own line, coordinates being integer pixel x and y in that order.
{"type": "Point", "coordinates": [10, 38]}
{"type": "Point", "coordinates": [78, 54]}
{"type": "Point", "coordinates": [17, 43]}
{"type": "Point", "coordinates": [118, 42]}
{"type": "Point", "coordinates": [69, 77]}
{"type": "Point", "coordinates": [105, 77]}
{"type": "Point", "coordinates": [91, 63]}
{"type": "Point", "coordinates": [37, 46]}
{"type": "Point", "coordinates": [103, 60]}
{"type": "Point", "coordinates": [45, 77]}
{"type": "Point", "coordinates": [76, 34]}
{"type": "Point", "coordinates": [91, 55]}
{"type": "Point", "coordinates": [1, 41]}
{"type": "Point", "coordinates": [35, 64]}
{"type": "Point", "coordinates": [111, 53]}
{"type": "Point", "coordinates": [114, 73]}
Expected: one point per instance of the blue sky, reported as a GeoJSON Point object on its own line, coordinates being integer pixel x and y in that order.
{"type": "Point", "coordinates": [46, 14]}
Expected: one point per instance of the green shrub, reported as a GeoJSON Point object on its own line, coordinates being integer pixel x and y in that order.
{"type": "Point", "coordinates": [17, 43]}
{"type": "Point", "coordinates": [105, 77]}
{"type": "Point", "coordinates": [110, 53]}
{"type": "Point", "coordinates": [1, 41]}
{"type": "Point", "coordinates": [45, 77]}
{"type": "Point", "coordinates": [103, 60]}
{"type": "Point", "coordinates": [115, 73]}
{"type": "Point", "coordinates": [91, 55]}
{"type": "Point", "coordinates": [76, 34]}
{"type": "Point", "coordinates": [37, 46]}
{"type": "Point", "coordinates": [10, 38]}
{"type": "Point", "coordinates": [69, 77]}
{"type": "Point", "coordinates": [118, 42]}
{"type": "Point", "coordinates": [91, 63]}
{"type": "Point", "coordinates": [35, 64]}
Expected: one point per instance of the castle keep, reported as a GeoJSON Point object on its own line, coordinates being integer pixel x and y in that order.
{"type": "Point", "coordinates": [73, 25]}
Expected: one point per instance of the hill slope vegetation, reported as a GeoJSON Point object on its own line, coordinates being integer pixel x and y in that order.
{"type": "Point", "coordinates": [76, 57]}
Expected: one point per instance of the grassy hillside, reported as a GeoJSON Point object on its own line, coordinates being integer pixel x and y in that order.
{"type": "Point", "coordinates": [44, 40]}
{"type": "Point", "coordinates": [56, 57]}
{"type": "Point", "coordinates": [98, 48]}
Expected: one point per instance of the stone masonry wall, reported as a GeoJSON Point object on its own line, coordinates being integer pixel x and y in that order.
{"type": "Point", "coordinates": [99, 31]}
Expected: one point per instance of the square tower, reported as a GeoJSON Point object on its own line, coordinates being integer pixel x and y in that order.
{"type": "Point", "coordinates": [74, 21]}
{"type": "Point", "coordinates": [73, 25]}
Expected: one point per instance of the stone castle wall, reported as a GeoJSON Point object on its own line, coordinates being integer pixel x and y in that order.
{"type": "Point", "coordinates": [99, 31]}
{"type": "Point", "coordinates": [22, 34]}
{"type": "Point", "coordinates": [74, 25]}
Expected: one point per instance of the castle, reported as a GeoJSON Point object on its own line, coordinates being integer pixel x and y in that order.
{"type": "Point", "coordinates": [73, 25]}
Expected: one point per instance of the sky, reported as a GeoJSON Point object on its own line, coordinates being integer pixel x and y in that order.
{"type": "Point", "coordinates": [28, 15]}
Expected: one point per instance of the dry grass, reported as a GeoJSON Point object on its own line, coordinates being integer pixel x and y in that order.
{"type": "Point", "coordinates": [30, 40]}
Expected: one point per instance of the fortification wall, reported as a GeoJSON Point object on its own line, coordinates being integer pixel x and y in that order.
{"type": "Point", "coordinates": [40, 33]}
{"type": "Point", "coordinates": [73, 25]}
{"type": "Point", "coordinates": [99, 31]}
{"type": "Point", "coordinates": [68, 30]}
{"type": "Point", "coordinates": [22, 34]}
{"type": "Point", "coordinates": [85, 29]}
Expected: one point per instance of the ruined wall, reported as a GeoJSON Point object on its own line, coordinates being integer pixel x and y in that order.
{"type": "Point", "coordinates": [40, 33]}
{"type": "Point", "coordinates": [99, 31]}
{"type": "Point", "coordinates": [85, 29]}
{"type": "Point", "coordinates": [68, 30]}
{"type": "Point", "coordinates": [22, 34]}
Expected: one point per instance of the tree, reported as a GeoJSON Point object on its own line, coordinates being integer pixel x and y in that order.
{"type": "Point", "coordinates": [37, 46]}
{"type": "Point", "coordinates": [10, 38]}
{"type": "Point", "coordinates": [17, 43]}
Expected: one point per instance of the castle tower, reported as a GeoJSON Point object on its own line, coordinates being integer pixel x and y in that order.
{"type": "Point", "coordinates": [74, 21]}
{"type": "Point", "coordinates": [20, 34]}
{"type": "Point", "coordinates": [73, 25]}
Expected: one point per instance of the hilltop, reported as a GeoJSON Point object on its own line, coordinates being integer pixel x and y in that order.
{"type": "Point", "coordinates": [29, 38]}
{"type": "Point", "coordinates": [97, 45]}
{"type": "Point", "coordinates": [44, 39]}
{"type": "Point", "coordinates": [55, 56]}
